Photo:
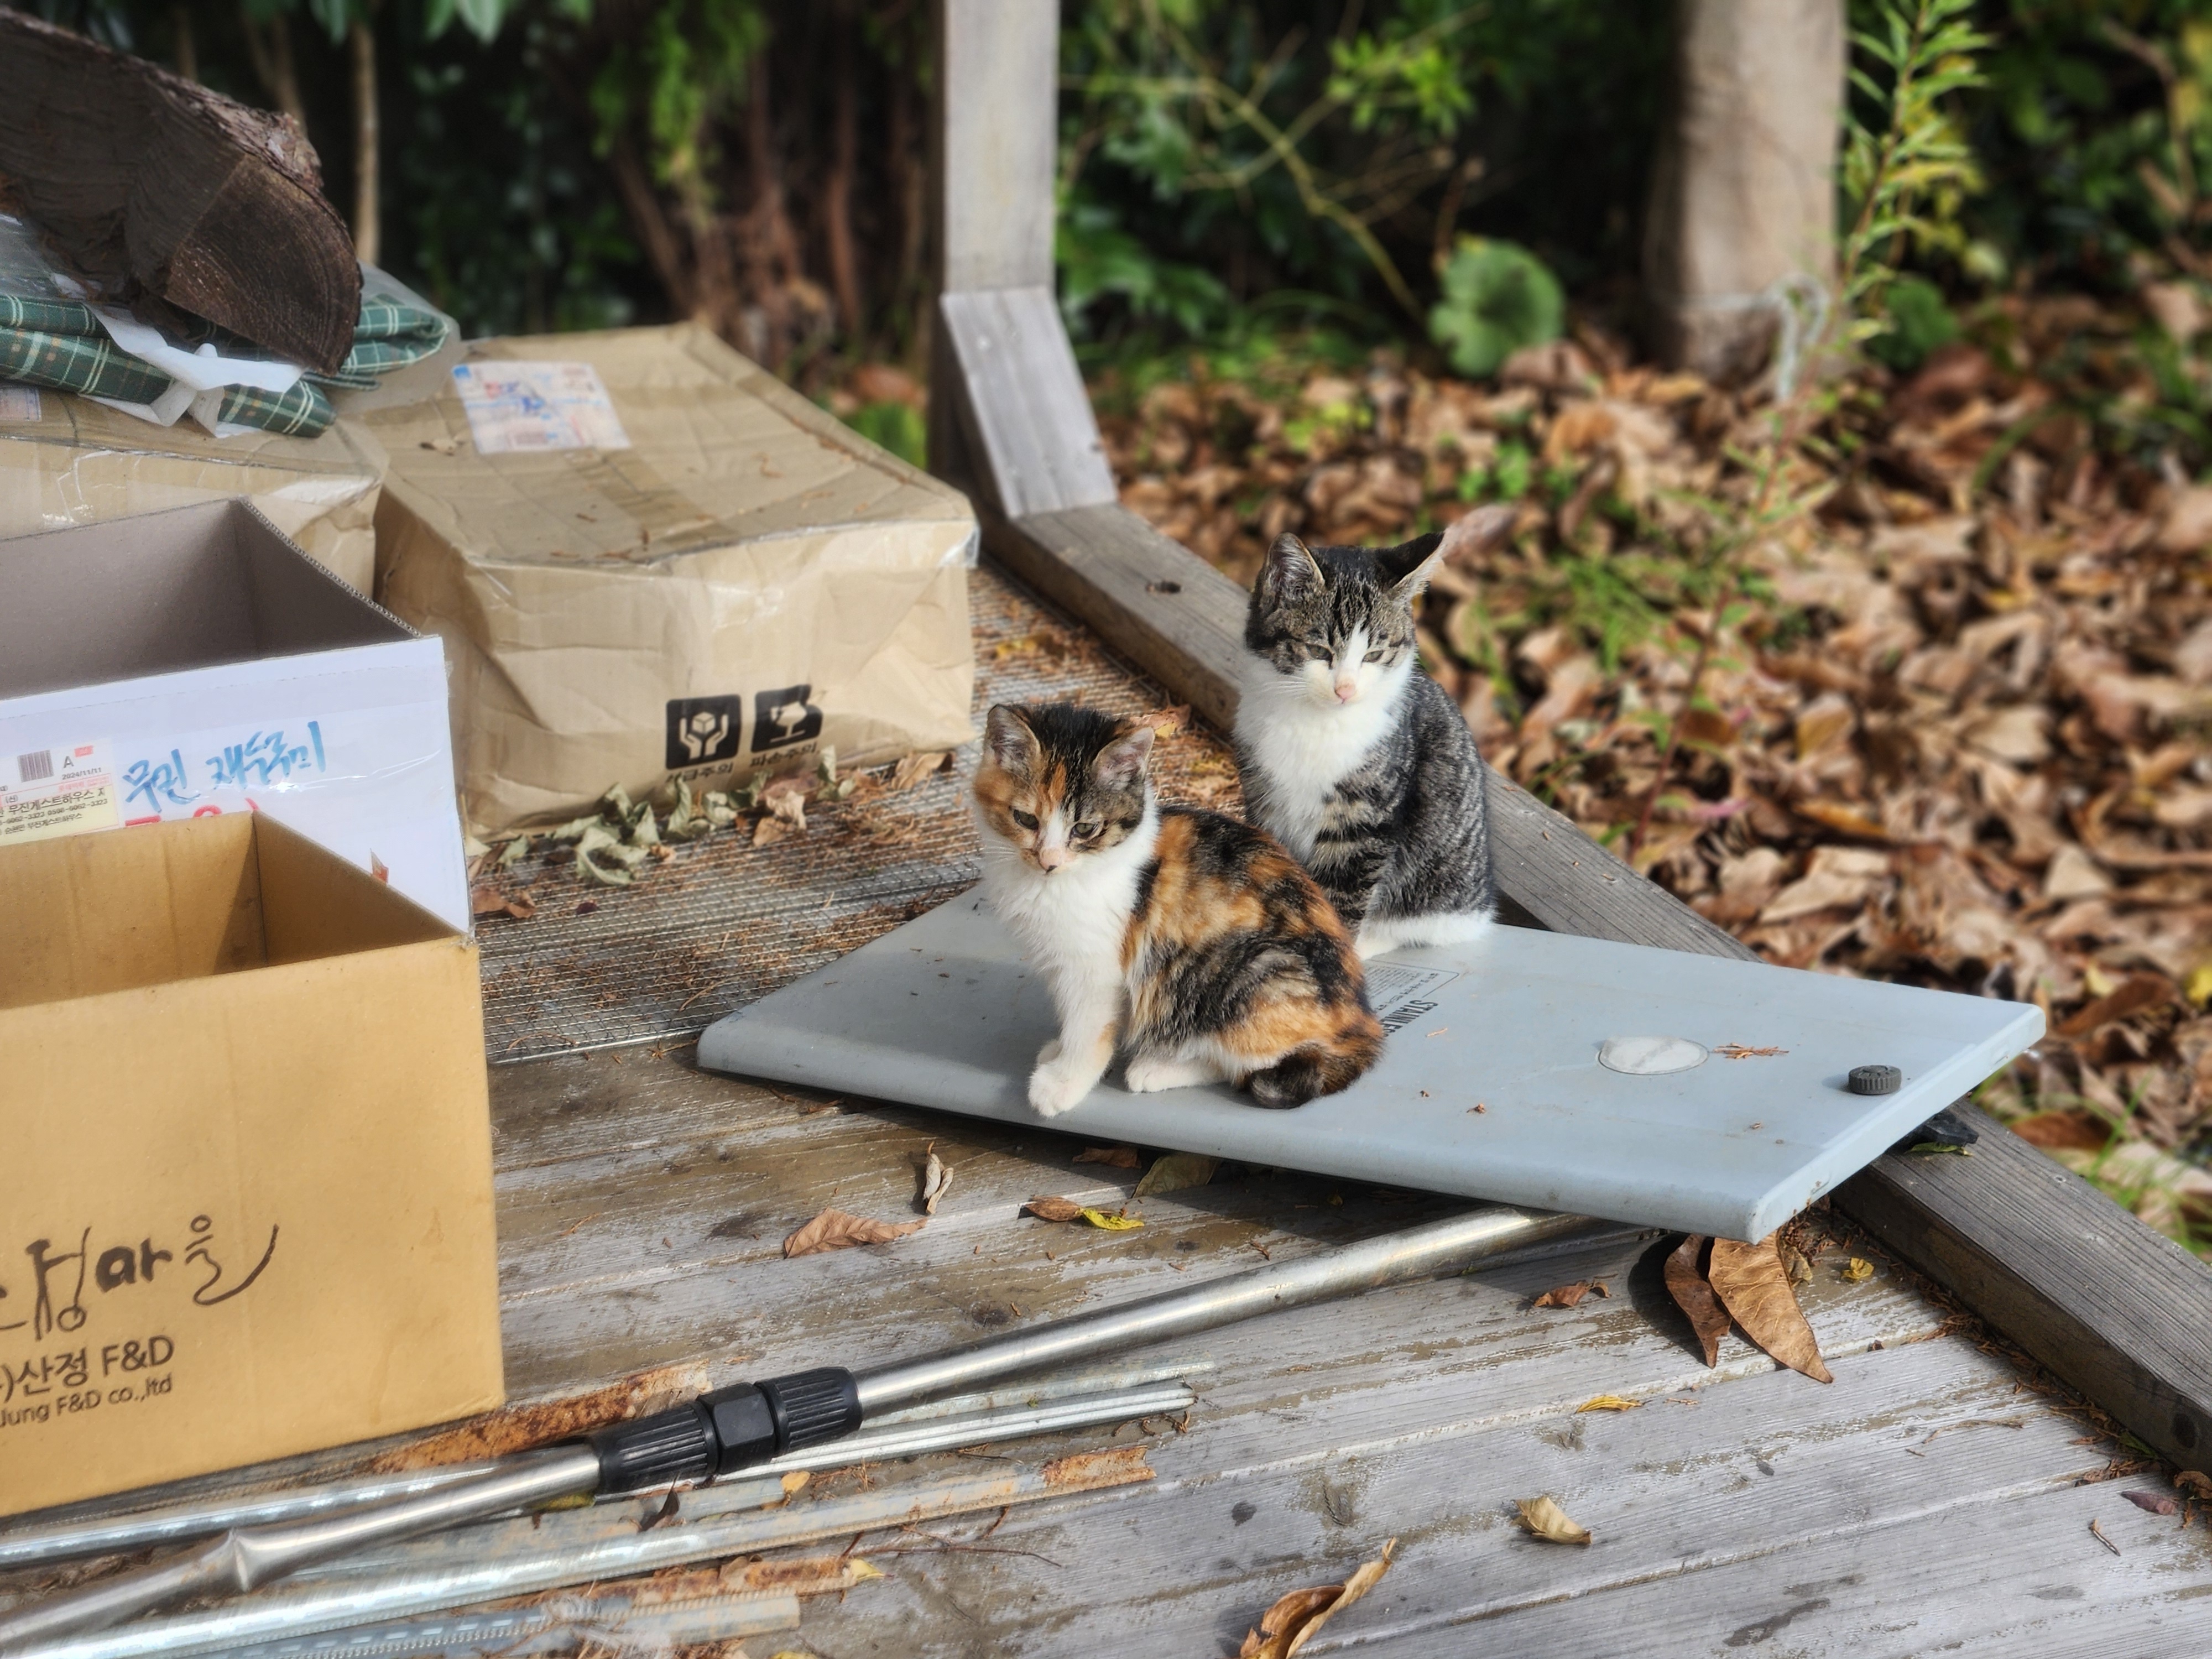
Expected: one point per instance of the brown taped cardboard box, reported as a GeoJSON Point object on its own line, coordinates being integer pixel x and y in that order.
{"type": "Point", "coordinates": [246, 1209]}
{"type": "Point", "coordinates": [82, 463]}
{"type": "Point", "coordinates": [747, 583]}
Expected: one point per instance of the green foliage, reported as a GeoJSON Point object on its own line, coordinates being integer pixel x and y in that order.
{"type": "Point", "coordinates": [674, 78]}
{"type": "Point", "coordinates": [1098, 259]}
{"type": "Point", "coordinates": [1906, 170]}
{"type": "Point", "coordinates": [1918, 321]}
{"type": "Point", "coordinates": [897, 427]}
{"type": "Point", "coordinates": [1498, 297]}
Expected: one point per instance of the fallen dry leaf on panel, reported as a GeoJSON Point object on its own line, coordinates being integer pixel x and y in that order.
{"type": "Point", "coordinates": [913, 768]}
{"type": "Point", "coordinates": [1054, 1209]}
{"type": "Point", "coordinates": [1686, 1283]}
{"type": "Point", "coordinates": [771, 830]}
{"type": "Point", "coordinates": [1858, 1268]}
{"type": "Point", "coordinates": [1751, 1284]}
{"type": "Point", "coordinates": [1737, 1051]}
{"type": "Point", "coordinates": [1290, 1624]}
{"type": "Point", "coordinates": [1111, 1222]}
{"type": "Point", "coordinates": [1546, 1520]}
{"type": "Point", "coordinates": [834, 1230]}
{"type": "Point", "coordinates": [1121, 1157]}
{"type": "Point", "coordinates": [1794, 1262]}
{"type": "Point", "coordinates": [936, 1182]}
{"type": "Point", "coordinates": [2194, 1480]}
{"type": "Point", "coordinates": [1608, 1402]}
{"type": "Point", "coordinates": [2158, 1503]}
{"type": "Point", "coordinates": [1174, 1172]}
{"type": "Point", "coordinates": [1566, 1295]}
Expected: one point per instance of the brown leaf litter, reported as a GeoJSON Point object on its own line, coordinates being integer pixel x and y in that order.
{"type": "Point", "coordinates": [1752, 1285]}
{"type": "Point", "coordinates": [1953, 735]}
{"type": "Point", "coordinates": [1545, 1519]}
{"type": "Point", "coordinates": [1693, 1295]}
{"type": "Point", "coordinates": [1568, 1295]}
{"type": "Point", "coordinates": [1174, 1172]}
{"type": "Point", "coordinates": [1119, 1157]}
{"type": "Point", "coordinates": [835, 1230]}
{"type": "Point", "coordinates": [1294, 1618]}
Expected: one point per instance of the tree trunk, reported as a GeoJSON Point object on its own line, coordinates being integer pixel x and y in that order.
{"type": "Point", "coordinates": [188, 48]}
{"type": "Point", "coordinates": [272, 62]}
{"type": "Point", "coordinates": [361, 41]}
{"type": "Point", "coordinates": [1743, 188]}
{"type": "Point", "coordinates": [837, 196]}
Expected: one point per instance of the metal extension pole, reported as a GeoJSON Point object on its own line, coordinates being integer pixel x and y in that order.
{"type": "Point", "coordinates": [750, 1424]}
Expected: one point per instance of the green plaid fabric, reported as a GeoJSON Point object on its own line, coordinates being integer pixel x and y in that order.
{"type": "Point", "coordinates": [57, 342]}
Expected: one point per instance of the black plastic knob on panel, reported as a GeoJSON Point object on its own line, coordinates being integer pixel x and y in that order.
{"type": "Point", "coordinates": [660, 1450]}
{"type": "Point", "coordinates": [812, 1406]}
{"type": "Point", "coordinates": [1875, 1080]}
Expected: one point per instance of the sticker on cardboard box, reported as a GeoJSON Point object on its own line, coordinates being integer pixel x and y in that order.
{"type": "Point", "coordinates": [523, 407]}
{"type": "Point", "coordinates": [58, 792]}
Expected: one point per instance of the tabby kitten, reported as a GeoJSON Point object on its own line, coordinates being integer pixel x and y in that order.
{"type": "Point", "coordinates": [1192, 942]}
{"type": "Point", "coordinates": [1351, 758]}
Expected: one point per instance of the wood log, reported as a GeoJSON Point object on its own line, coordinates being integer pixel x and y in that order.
{"type": "Point", "coordinates": [1743, 185]}
{"type": "Point", "coordinates": [142, 178]}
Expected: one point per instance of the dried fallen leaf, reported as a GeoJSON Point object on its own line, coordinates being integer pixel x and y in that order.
{"type": "Point", "coordinates": [1054, 1209]}
{"type": "Point", "coordinates": [1110, 1222]}
{"type": "Point", "coordinates": [1608, 1402]}
{"type": "Point", "coordinates": [795, 1481]}
{"type": "Point", "coordinates": [1751, 1284]}
{"type": "Point", "coordinates": [2158, 1503]}
{"type": "Point", "coordinates": [936, 1182]}
{"type": "Point", "coordinates": [1686, 1283]}
{"type": "Point", "coordinates": [1794, 1262]}
{"type": "Point", "coordinates": [2098, 1533]}
{"type": "Point", "coordinates": [834, 1230]}
{"type": "Point", "coordinates": [1546, 1520]}
{"type": "Point", "coordinates": [1566, 1295]}
{"type": "Point", "coordinates": [1121, 1157]}
{"type": "Point", "coordinates": [1859, 1268]}
{"type": "Point", "coordinates": [2195, 1480]}
{"type": "Point", "coordinates": [486, 902]}
{"type": "Point", "coordinates": [1176, 1171]}
{"type": "Point", "coordinates": [913, 768]}
{"type": "Point", "coordinates": [1737, 1051]}
{"type": "Point", "coordinates": [1290, 1624]}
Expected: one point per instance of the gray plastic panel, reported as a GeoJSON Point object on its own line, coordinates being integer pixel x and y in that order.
{"type": "Point", "coordinates": [942, 1012]}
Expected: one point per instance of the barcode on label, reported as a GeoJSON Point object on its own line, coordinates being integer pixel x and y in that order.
{"type": "Point", "coordinates": [31, 768]}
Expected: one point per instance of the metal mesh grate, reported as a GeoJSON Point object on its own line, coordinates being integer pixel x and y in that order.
{"type": "Point", "coordinates": [723, 922]}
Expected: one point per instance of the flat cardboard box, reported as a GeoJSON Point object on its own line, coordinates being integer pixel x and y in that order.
{"type": "Point", "coordinates": [194, 662]}
{"type": "Point", "coordinates": [746, 583]}
{"type": "Point", "coordinates": [246, 1210]}
{"type": "Point", "coordinates": [82, 463]}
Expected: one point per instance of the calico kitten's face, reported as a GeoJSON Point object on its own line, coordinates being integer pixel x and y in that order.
{"type": "Point", "coordinates": [1059, 783]}
{"type": "Point", "coordinates": [1338, 621]}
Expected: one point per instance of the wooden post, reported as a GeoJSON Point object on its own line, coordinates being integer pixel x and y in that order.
{"type": "Point", "coordinates": [1008, 416]}
{"type": "Point", "coordinates": [1743, 189]}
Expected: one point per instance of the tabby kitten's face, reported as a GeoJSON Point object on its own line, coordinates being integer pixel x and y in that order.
{"type": "Point", "coordinates": [1059, 784]}
{"type": "Point", "coordinates": [1337, 623]}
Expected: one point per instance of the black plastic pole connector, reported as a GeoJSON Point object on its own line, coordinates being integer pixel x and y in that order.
{"type": "Point", "coordinates": [728, 1430]}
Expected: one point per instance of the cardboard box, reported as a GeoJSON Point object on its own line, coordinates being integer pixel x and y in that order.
{"type": "Point", "coordinates": [247, 1206]}
{"type": "Point", "coordinates": [732, 581]}
{"type": "Point", "coordinates": [81, 463]}
{"type": "Point", "coordinates": [193, 662]}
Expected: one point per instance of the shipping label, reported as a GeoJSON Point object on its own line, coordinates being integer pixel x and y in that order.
{"type": "Point", "coordinates": [58, 792]}
{"type": "Point", "coordinates": [522, 407]}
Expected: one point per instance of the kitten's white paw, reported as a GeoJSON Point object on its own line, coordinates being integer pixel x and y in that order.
{"type": "Point", "coordinates": [1055, 1086]}
{"type": "Point", "coordinates": [1150, 1073]}
{"type": "Point", "coordinates": [1049, 1052]}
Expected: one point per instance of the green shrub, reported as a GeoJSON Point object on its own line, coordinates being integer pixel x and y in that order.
{"type": "Point", "coordinates": [1498, 297]}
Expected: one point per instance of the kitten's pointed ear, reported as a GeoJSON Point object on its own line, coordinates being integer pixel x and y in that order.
{"type": "Point", "coordinates": [1410, 564]}
{"type": "Point", "coordinates": [1121, 762]}
{"type": "Point", "coordinates": [1008, 740]}
{"type": "Point", "coordinates": [1292, 571]}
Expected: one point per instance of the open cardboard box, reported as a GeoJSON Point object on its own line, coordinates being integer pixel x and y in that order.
{"type": "Point", "coordinates": [246, 1207]}
{"type": "Point", "coordinates": [196, 662]}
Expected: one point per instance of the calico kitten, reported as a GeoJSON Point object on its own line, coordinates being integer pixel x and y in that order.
{"type": "Point", "coordinates": [1354, 759]}
{"type": "Point", "coordinates": [1192, 942]}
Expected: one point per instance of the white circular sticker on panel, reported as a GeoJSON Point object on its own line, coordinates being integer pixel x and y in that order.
{"type": "Point", "coordinates": [1650, 1056]}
